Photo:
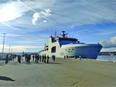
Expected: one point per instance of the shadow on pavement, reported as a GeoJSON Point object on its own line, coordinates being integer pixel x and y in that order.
{"type": "Point", "coordinates": [6, 78]}
{"type": "Point", "coordinates": [53, 63]}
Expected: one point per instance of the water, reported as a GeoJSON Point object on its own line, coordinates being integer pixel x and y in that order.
{"type": "Point", "coordinates": [107, 58]}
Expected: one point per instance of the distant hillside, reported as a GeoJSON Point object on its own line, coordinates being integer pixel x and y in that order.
{"type": "Point", "coordinates": [107, 53]}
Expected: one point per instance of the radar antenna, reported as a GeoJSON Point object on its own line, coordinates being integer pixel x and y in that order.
{"type": "Point", "coordinates": [64, 34]}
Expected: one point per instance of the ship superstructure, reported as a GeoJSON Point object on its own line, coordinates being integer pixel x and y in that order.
{"type": "Point", "coordinates": [66, 47]}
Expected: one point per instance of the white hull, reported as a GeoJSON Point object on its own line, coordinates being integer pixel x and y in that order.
{"type": "Point", "coordinates": [76, 50]}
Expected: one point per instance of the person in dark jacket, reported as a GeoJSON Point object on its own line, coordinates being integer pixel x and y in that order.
{"type": "Point", "coordinates": [47, 59]}
{"type": "Point", "coordinates": [29, 58]}
{"type": "Point", "coordinates": [44, 58]}
{"type": "Point", "coordinates": [36, 58]}
{"type": "Point", "coordinates": [6, 61]}
{"type": "Point", "coordinates": [33, 56]}
{"type": "Point", "coordinates": [40, 58]}
{"type": "Point", "coordinates": [19, 58]}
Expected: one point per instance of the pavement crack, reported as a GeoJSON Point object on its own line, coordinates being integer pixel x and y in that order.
{"type": "Point", "coordinates": [74, 83]}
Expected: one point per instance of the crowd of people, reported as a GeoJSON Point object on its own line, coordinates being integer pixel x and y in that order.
{"type": "Point", "coordinates": [36, 58]}
{"type": "Point", "coordinates": [28, 57]}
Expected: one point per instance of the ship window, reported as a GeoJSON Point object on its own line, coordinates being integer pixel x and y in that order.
{"type": "Point", "coordinates": [72, 49]}
{"type": "Point", "coordinates": [53, 49]}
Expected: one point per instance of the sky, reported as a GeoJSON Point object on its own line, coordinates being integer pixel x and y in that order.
{"type": "Point", "coordinates": [29, 23]}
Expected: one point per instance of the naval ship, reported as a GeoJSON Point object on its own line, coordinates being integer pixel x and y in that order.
{"type": "Point", "coordinates": [67, 47]}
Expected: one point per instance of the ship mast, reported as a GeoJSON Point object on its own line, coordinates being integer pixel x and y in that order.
{"type": "Point", "coordinates": [64, 34]}
{"type": "Point", "coordinates": [55, 34]}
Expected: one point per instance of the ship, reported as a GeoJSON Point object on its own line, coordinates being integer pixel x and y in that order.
{"type": "Point", "coordinates": [66, 47]}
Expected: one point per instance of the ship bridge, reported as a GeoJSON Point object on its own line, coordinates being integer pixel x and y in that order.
{"type": "Point", "coordinates": [64, 41]}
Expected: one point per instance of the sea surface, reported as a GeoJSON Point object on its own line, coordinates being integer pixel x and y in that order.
{"type": "Point", "coordinates": [107, 58]}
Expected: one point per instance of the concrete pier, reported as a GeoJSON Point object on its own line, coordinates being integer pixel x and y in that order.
{"type": "Point", "coordinates": [62, 72]}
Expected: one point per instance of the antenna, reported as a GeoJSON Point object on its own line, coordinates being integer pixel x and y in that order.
{"type": "Point", "coordinates": [55, 34]}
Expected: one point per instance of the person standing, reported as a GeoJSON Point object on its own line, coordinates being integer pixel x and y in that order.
{"type": "Point", "coordinates": [53, 58]}
{"type": "Point", "coordinates": [26, 57]}
{"type": "Point", "coordinates": [36, 58]}
{"type": "Point", "coordinates": [47, 61]}
{"type": "Point", "coordinates": [33, 56]}
{"type": "Point", "coordinates": [29, 58]}
{"type": "Point", "coordinates": [19, 59]}
{"type": "Point", "coordinates": [6, 61]}
{"type": "Point", "coordinates": [44, 60]}
{"type": "Point", "coordinates": [40, 58]}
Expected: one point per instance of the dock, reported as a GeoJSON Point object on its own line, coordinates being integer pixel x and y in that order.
{"type": "Point", "coordinates": [62, 72]}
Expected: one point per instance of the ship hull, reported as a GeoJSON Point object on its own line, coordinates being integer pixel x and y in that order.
{"type": "Point", "coordinates": [89, 51]}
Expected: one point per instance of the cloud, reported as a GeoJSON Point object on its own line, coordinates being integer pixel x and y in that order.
{"type": "Point", "coordinates": [46, 13]}
{"type": "Point", "coordinates": [83, 12]}
{"type": "Point", "coordinates": [112, 49]}
{"type": "Point", "coordinates": [13, 9]}
{"type": "Point", "coordinates": [9, 12]}
{"type": "Point", "coordinates": [41, 15]}
{"type": "Point", "coordinates": [20, 48]}
{"type": "Point", "coordinates": [107, 32]}
{"type": "Point", "coordinates": [109, 43]}
{"type": "Point", "coordinates": [16, 8]}
{"type": "Point", "coordinates": [8, 25]}
{"type": "Point", "coordinates": [45, 21]}
{"type": "Point", "coordinates": [25, 5]}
